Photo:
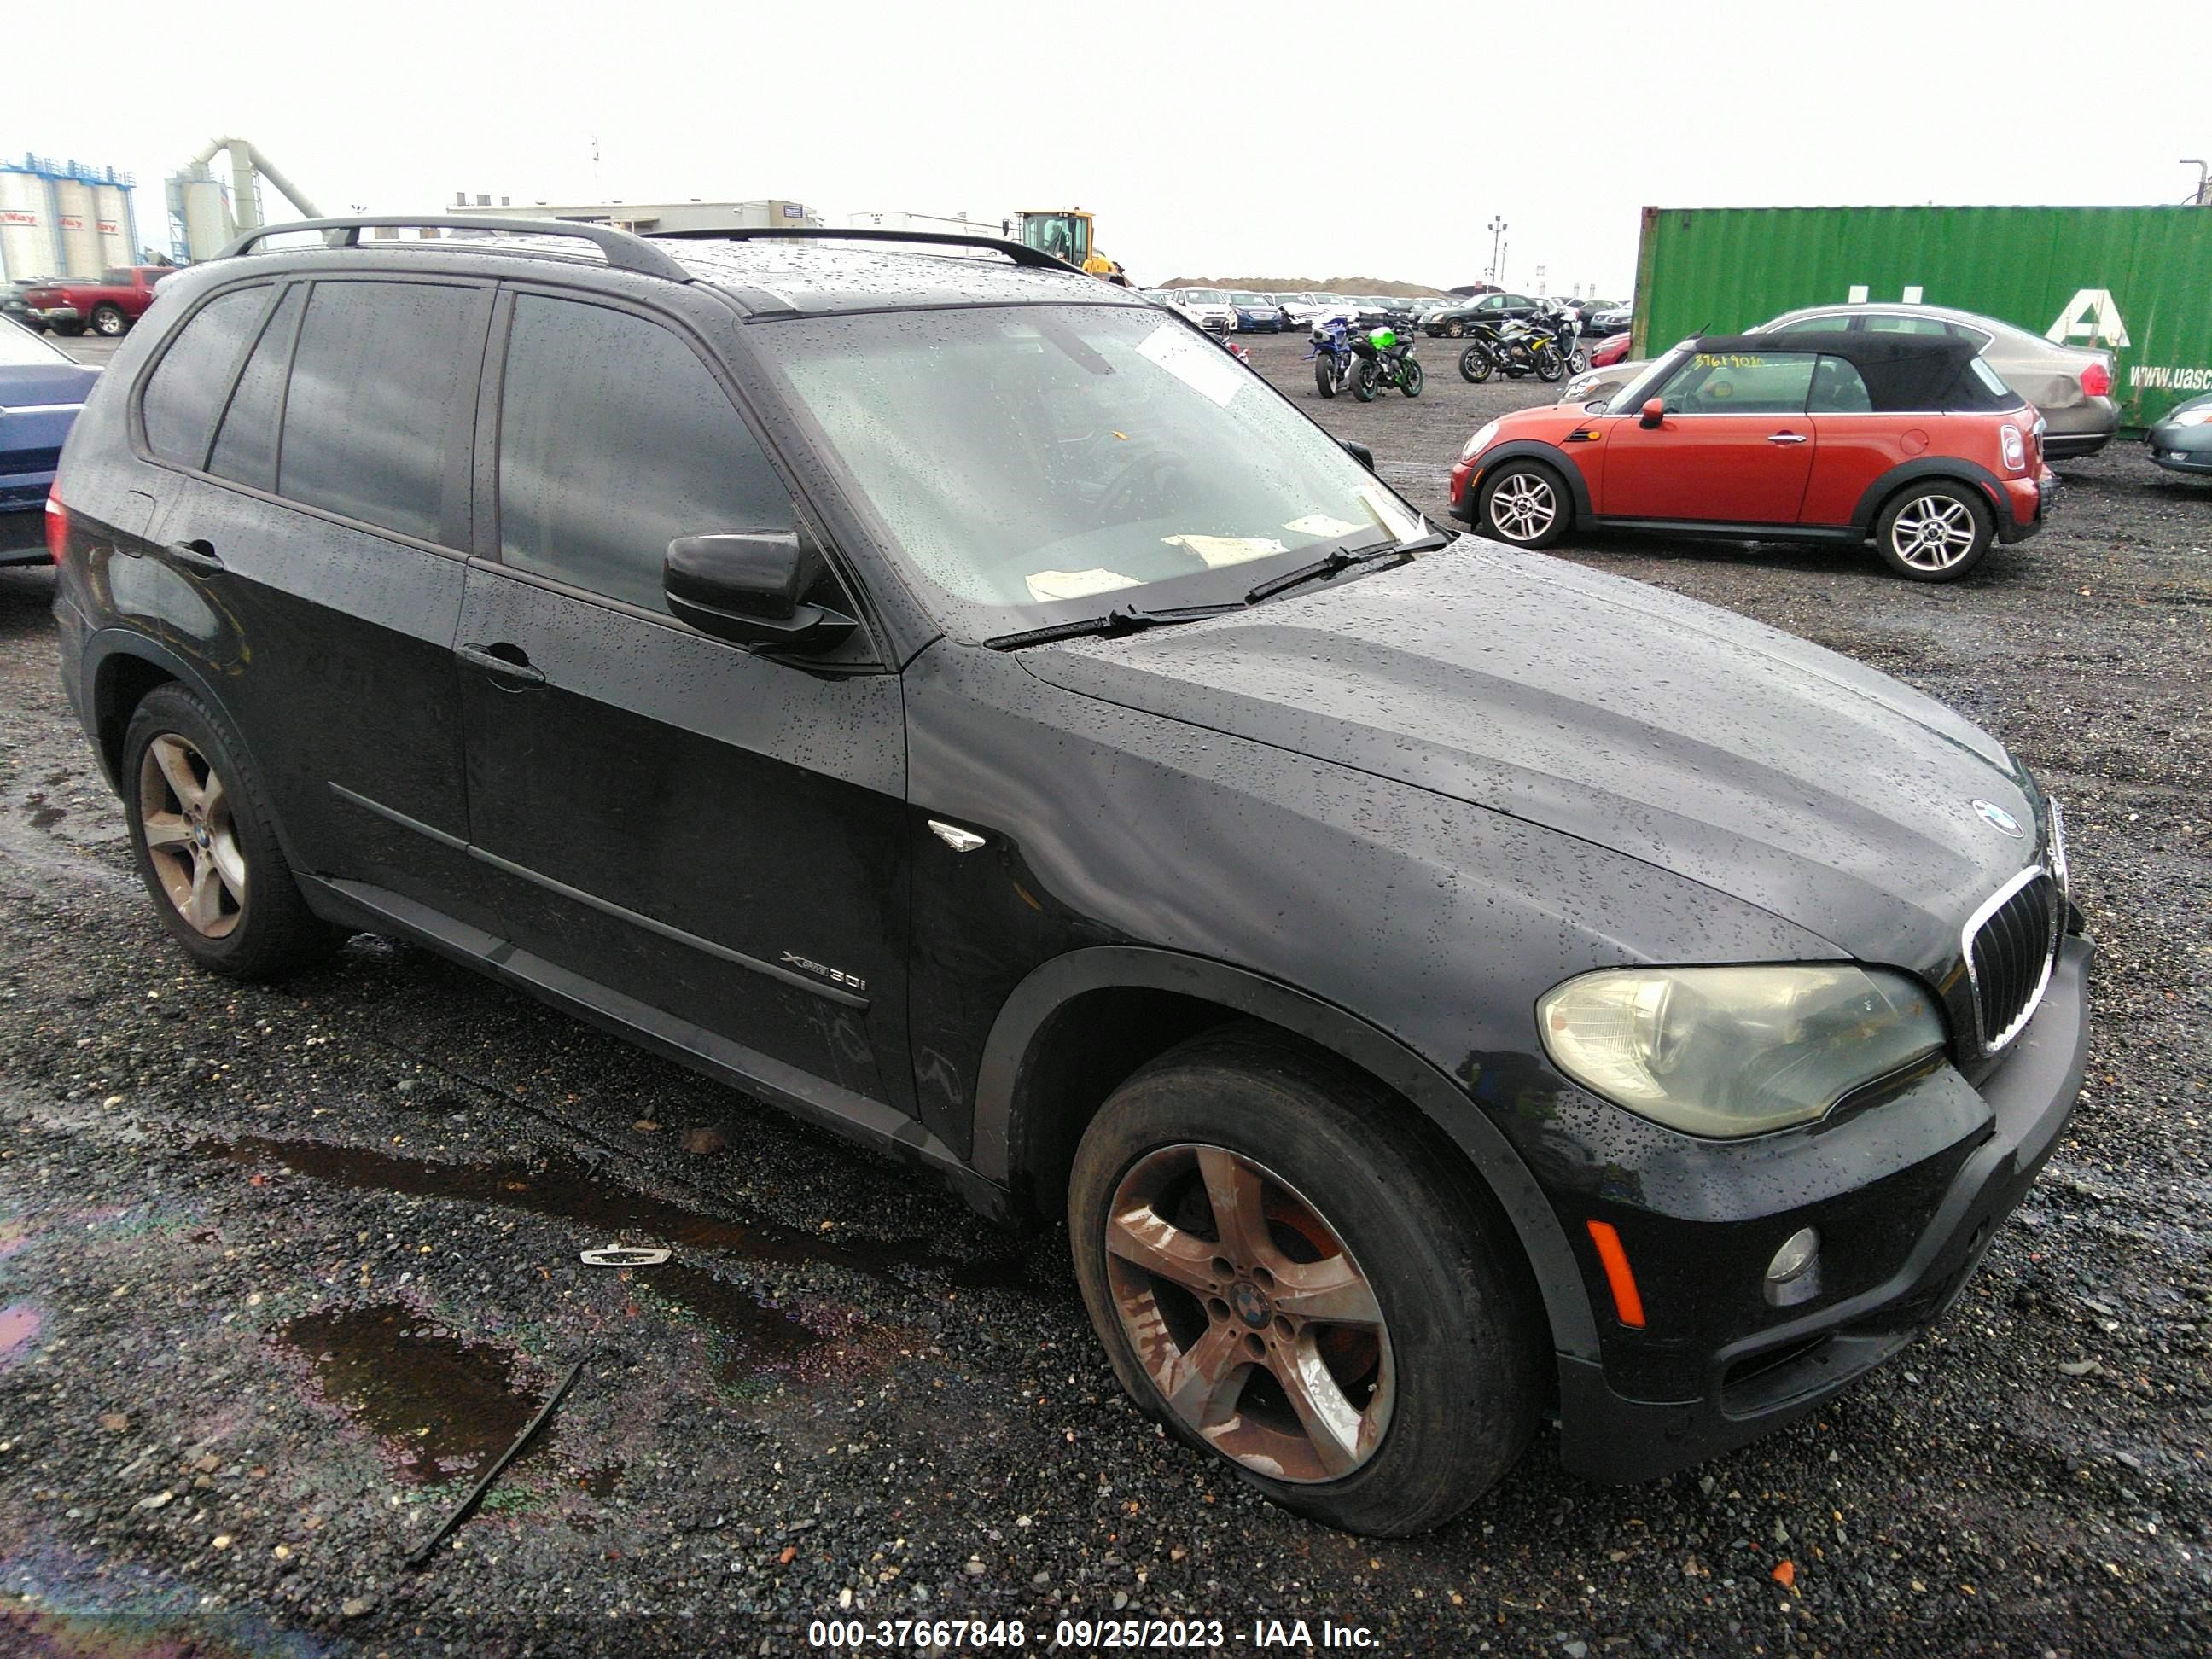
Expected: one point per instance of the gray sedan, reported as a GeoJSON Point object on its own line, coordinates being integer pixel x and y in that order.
{"type": "Point", "coordinates": [2070, 386]}
{"type": "Point", "coordinates": [2182, 442]}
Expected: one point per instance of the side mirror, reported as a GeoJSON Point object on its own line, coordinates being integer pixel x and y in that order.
{"type": "Point", "coordinates": [745, 586]}
{"type": "Point", "coordinates": [1654, 412]}
{"type": "Point", "coordinates": [1359, 452]}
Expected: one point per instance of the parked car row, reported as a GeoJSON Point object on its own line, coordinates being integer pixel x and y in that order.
{"type": "Point", "coordinates": [41, 391]}
{"type": "Point", "coordinates": [1230, 311]}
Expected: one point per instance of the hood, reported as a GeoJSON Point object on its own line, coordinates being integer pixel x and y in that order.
{"type": "Point", "coordinates": [1669, 731]}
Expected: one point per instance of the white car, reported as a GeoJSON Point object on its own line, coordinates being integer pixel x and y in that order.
{"type": "Point", "coordinates": [1208, 307]}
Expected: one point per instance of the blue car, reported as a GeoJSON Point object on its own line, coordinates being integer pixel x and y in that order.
{"type": "Point", "coordinates": [42, 389]}
{"type": "Point", "coordinates": [1257, 312]}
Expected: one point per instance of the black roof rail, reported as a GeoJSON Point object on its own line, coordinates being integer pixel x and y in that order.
{"type": "Point", "coordinates": [1020, 252]}
{"type": "Point", "coordinates": [623, 250]}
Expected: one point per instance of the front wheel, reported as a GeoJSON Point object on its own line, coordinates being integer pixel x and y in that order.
{"type": "Point", "coordinates": [1550, 366]}
{"type": "Point", "coordinates": [1409, 380]}
{"type": "Point", "coordinates": [1325, 377]}
{"type": "Point", "coordinates": [1934, 533]}
{"type": "Point", "coordinates": [1475, 364]}
{"type": "Point", "coordinates": [1525, 502]}
{"type": "Point", "coordinates": [1365, 380]}
{"type": "Point", "coordinates": [1293, 1277]}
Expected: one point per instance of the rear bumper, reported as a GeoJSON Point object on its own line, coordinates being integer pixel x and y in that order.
{"type": "Point", "coordinates": [1761, 1381]}
{"type": "Point", "coordinates": [2073, 446]}
{"type": "Point", "coordinates": [56, 314]}
{"type": "Point", "coordinates": [2026, 502]}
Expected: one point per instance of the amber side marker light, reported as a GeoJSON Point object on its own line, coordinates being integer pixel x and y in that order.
{"type": "Point", "coordinates": [1626, 1302]}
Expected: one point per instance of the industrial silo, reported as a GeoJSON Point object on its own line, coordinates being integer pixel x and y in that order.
{"type": "Point", "coordinates": [80, 238]}
{"type": "Point", "coordinates": [27, 227]}
{"type": "Point", "coordinates": [112, 204]}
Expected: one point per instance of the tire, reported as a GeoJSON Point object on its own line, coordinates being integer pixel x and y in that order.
{"type": "Point", "coordinates": [1324, 377]}
{"type": "Point", "coordinates": [1475, 364]}
{"type": "Point", "coordinates": [1936, 532]}
{"type": "Point", "coordinates": [209, 856]}
{"type": "Point", "coordinates": [1537, 510]}
{"type": "Point", "coordinates": [1410, 384]}
{"type": "Point", "coordinates": [109, 323]}
{"type": "Point", "coordinates": [1365, 380]}
{"type": "Point", "coordinates": [1453, 330]}
{"type": "Point", "coordinates": [1429, 1391]}
{"type": "Point", "coordinates": [68, 331]}
{"type": "Point", "coordinates": [1550, 366]}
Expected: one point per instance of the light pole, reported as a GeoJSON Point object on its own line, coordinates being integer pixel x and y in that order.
{"type": "Point", "coordinates": [1497, 230]}
{"type": "Point", "coordinates": [2203, 197]}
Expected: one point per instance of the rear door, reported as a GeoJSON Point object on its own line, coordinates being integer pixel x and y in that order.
{"type": "Point", "coordinates": [310, 556]}
{"type": "Point", "coordinates": [1736, 445]}
{"type": "Point", "coordinates": [715, 834]}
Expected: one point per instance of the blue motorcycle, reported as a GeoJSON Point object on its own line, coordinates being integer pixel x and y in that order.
{"type": "Point", "coordinates": [1332, 355]}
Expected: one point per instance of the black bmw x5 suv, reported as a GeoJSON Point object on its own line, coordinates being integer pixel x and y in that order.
{"type": "Point", "coordinates": [937, 693]}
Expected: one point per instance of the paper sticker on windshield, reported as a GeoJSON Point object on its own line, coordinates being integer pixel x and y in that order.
{"type": "Point", "coordinates": [1400, 524]}
{"type": "Point", "coordinates": [1076, 584]}
{"type": "Point", "coordinates": [1206, 369]}
{"type": "Point", "coordinates": [1728, 359]}
{"type": "Point", "coordinates": [1320, 524]}
{"type": "Point", "coordinates": [1218, 550]}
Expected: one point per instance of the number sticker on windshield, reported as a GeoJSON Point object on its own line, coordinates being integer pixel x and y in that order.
{"type": "Point", "coordinates": [1205, 368]}
{"type": "Point", "coordinates": [1076, 584]}
{"type": "Point", "coordinates": [1218, 550]}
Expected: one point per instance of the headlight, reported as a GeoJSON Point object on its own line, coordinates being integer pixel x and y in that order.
{"type": "Point", "coordinates": [1727, 1052]}
{"type": "Point", "coordinates": [1479, 442]}
{"type": "Point", "coordinates": [2192, 417]}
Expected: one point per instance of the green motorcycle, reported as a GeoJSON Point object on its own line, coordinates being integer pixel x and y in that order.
{"type": "Point", "coordinates": [1385, 360]}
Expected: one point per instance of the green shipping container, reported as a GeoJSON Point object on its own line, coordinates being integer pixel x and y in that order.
{"type": "Point", "coordinates": [2135, 281]}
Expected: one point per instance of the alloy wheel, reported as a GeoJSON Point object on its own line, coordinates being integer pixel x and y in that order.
{"type": "Point", "coordinates": [1252, 1319]}
{"type": "Point", "coordinates": [1933, 532]}
{"type": "Point", "coordinates": [184, 815]}
{"type": "Point", "coordinates": [1522, 507]}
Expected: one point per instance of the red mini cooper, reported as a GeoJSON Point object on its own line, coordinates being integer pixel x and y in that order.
{"type": "Point", "coordinates": [1910, 439]}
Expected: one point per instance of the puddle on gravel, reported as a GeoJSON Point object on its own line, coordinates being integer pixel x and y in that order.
{"type": "Point", "coordinates": [444, 1406]}
{"type": "Point", "coordinates": [19, 1327]}
{"type": "Point", "coordinates": [568, 1189]}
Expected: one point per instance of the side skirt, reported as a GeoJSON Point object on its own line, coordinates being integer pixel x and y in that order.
{"type": "Point", "coordinates": [867, 1122]}
{"type": "Point", "coordinates": [1748, 532]}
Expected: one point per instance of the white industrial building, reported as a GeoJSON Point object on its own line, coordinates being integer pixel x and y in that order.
{"type": "Point", "coordinates": [647, 218]}
{"type": "Point", "coordinates": [63, 219]}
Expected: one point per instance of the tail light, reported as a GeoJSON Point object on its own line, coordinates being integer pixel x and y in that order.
{"type": "Point", "coordinates": [2016, 450]}
{"type": "Point", "coordinates": [2097, 380]}
{"type": "Point", "coordinates": [56, 528]}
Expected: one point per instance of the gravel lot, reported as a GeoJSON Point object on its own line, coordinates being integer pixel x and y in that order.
{"type": "Point", "coordinates": [280, 1268]}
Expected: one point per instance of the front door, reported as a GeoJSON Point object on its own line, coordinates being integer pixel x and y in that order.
{"type": "Point", "coordinates": [713, 834]}
{"type": "Point", "coordinates": [1735, 446]}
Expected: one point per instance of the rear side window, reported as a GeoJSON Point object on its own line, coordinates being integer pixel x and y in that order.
{"type": "Point", "coordinates": [1839, 389]}
{"type": "Point", "coordinates": [188, 385]}
{"type": "Point", "coordinates": [246, 448]}
{"type": "Point", "coordinates": [382, 394]}
{"type": "Point", "coordinates": [614, 440]}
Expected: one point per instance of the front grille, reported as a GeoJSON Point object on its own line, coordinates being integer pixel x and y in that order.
{"type": "Point", "coordinates": [2010, 946]}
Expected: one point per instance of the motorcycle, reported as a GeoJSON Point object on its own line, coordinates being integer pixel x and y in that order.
{"type": "Point", "coordinates": [1386, 359]}
{"type": "Point", "coordinates": [1331, 355]}
{"type": "Point", "coordinates": [1520, 349]}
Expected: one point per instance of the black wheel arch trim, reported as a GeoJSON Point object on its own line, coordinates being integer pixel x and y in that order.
{"type": "Point", "coordinates": [1057, 982]}
{"type": "Point", "coordinates": [1950, 469]}
{"type": "Point", "coordinates": [1535, 449]}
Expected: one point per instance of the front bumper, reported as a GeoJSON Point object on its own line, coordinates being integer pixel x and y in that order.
{"type": "Point", "coordinates": [2181, 448]}
{"type": "Point", "coordinates": [1757, 1382]}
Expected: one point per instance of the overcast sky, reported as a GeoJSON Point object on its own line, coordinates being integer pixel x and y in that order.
{"type": "Point", "coordinates": [1215, 139]}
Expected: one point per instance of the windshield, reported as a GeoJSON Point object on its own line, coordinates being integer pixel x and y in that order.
{"type": "Point", "coordinates": [1630, 398]}
{"type": "Point", "coordinates": [1249, 299]}
{"type": "Point", "coordinates": [1205, 296]}
{"type": "Point", "coordinates": [21, 348]}
{"type": "Point", "coordinates": [1033, 464]}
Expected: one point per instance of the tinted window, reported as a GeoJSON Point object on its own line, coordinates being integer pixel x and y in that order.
{"type": "Point", "coordinates": [1740, 383]}
{"type": "Point", "coordinates": [1839, 389]}
{"type": "Point", "coordinates": [383, 383]}
{"type": "Point", "coordinates": [245, 449]}
{"type": "Point", "coordinates": [614, 440]}
{"type": "Point", "coordinates": [1827, 324]}
{"type": "Point", "coordinates": [1891, 323]}
{"type": "Point", "coordinates": [187, 389]}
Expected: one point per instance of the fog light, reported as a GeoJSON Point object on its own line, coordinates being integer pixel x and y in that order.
{"type": "Point", "coordinates": [1795, 1256]}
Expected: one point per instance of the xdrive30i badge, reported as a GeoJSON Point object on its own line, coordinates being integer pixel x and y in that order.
{"type": "Point", "coordinates": [834, 975]}
{"type": "Point", "coordinates": [1998, 819]}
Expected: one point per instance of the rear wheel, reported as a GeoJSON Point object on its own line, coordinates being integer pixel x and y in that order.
{"type": "Point", "coordinates": [1286, 1273]}
{"type": "Point", "coordinates": [1526, 503]}
{"type": "Point", "coordinates": [69, 329]}
{"type": "Point", "coordinates": [108, 321]}
{"type": "Point", "coordinates": [201, 838]}
{"type": "Point", "coordinates": [1475, 364]}
{"type": "Point", "coordinates": [1410, 382]}
{"type": "Point", "coordinates": [1365, 379]}
{"type": "Point", "coordinates": [1934, 533]}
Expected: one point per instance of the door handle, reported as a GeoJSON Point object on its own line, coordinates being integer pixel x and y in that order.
{"type": "Point", "coordinates": [195, 555]}
{"type": "Point", "coordinates": [1790, 438]}
{"type": "Point", "coordinates": [508, 662]}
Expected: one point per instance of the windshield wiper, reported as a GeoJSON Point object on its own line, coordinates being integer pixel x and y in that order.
{"type": "Point", "coordinates": [1121, 619]}
{"type": "Point", "coordinates": [1339, 560]}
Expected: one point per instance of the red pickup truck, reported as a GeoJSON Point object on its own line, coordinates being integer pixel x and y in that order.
{"type": "Point", "coordinates": [107, 306]}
